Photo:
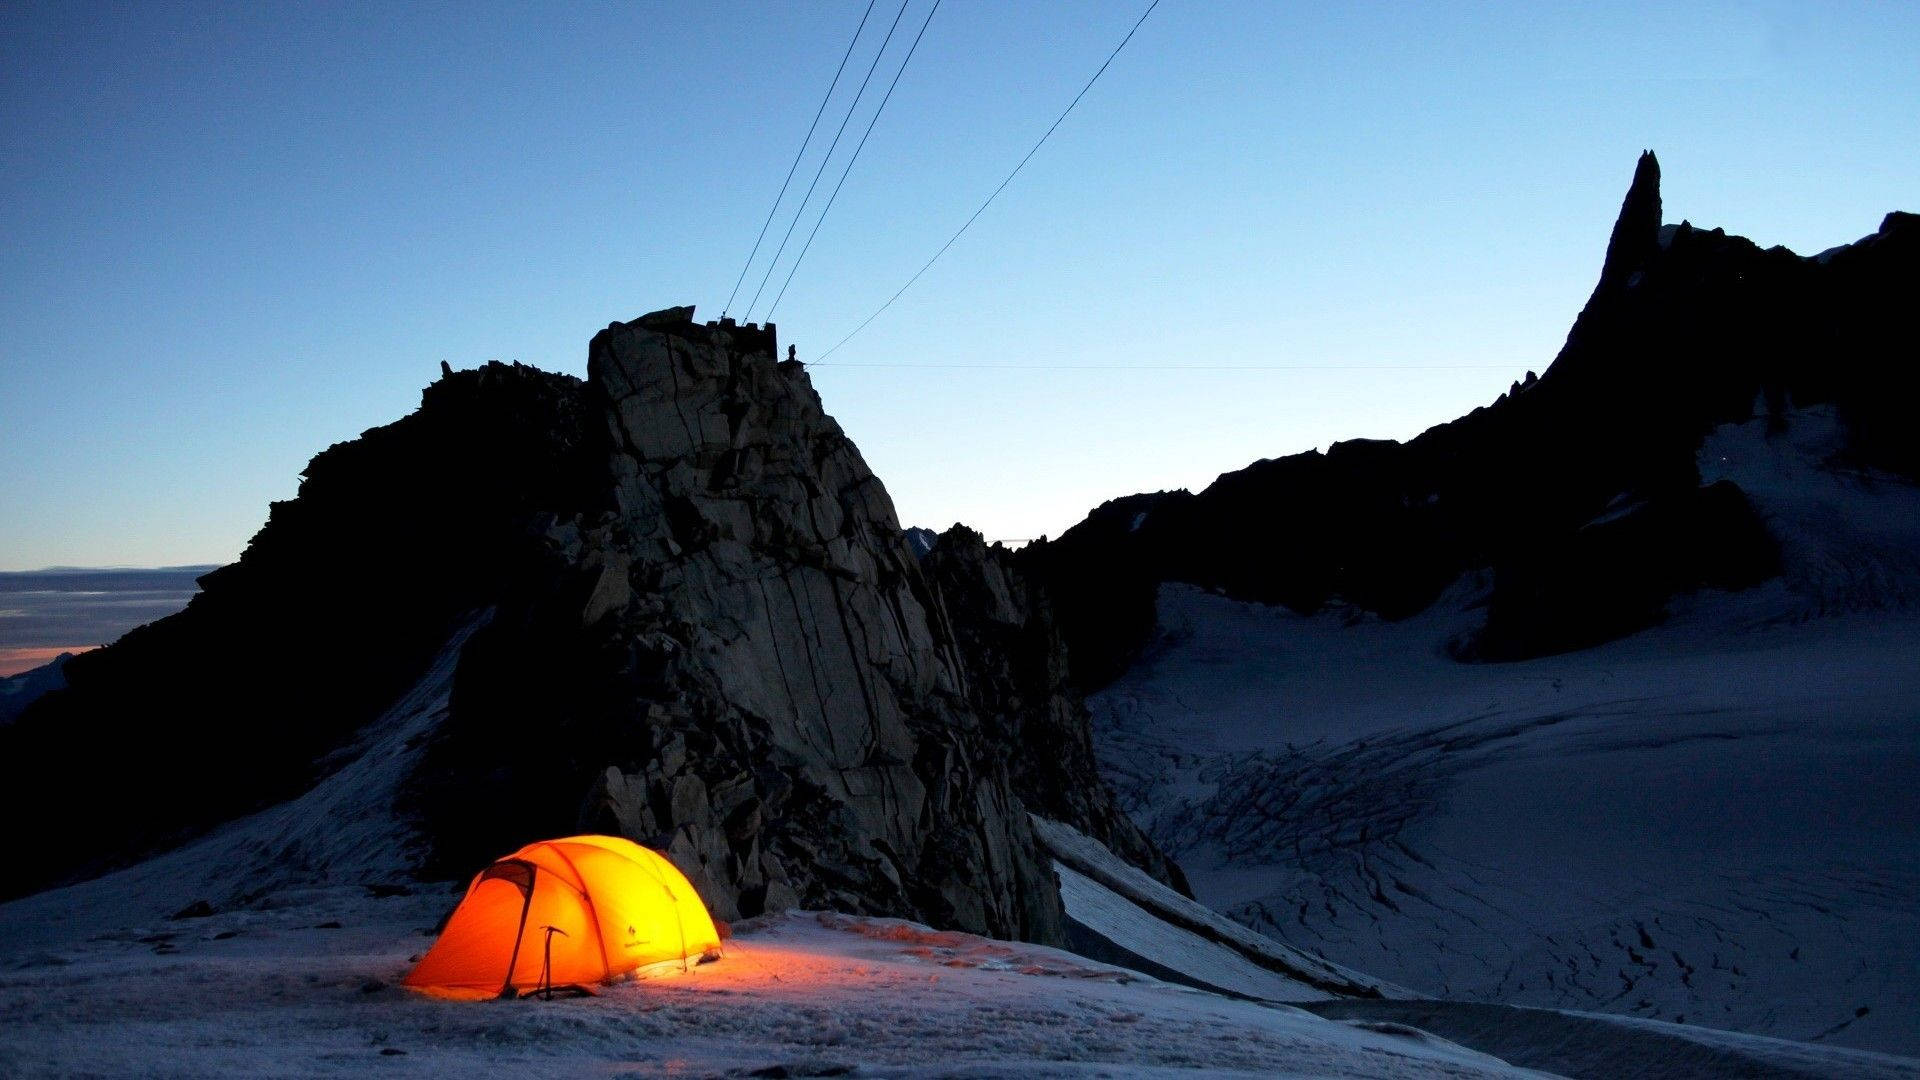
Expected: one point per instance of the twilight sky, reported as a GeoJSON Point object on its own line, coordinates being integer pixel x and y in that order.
{"type": "Point", "coordinates": [235, 234]}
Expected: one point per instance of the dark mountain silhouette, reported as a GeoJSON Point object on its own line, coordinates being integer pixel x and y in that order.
{"type": "Point", "coordinates": [695, 619]}
{"type": "Point", "coordinates": [334, 608]}
{"type": "Point", "coordinates": [1577, 489]}
{"type": "Point", "coordinates": [19, 691]}
{"type": "Point", "coordinates": [699, 625]}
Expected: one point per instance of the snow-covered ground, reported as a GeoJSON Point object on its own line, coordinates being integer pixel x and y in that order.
{"type": "Point", "coordinates": [310, 990]}
{"type": "Point", "coordinates": [274, 946]}
{"type": "Point", "coordinates": [344, 832]}
{"type": "Point", "coordinates": [1713, 822]}
{"type": "Point", "coordinates": [1121, 913]}
{"type": "Point", "coordinates": [1607, 1045]}
{"type": "Point", "coordinates": [303, 981]}
{"type": "Point", "coordinates": [1718, 819]}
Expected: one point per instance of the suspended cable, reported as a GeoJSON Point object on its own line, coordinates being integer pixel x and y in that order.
{"type": "Point", "coordinates": [808, 197]}
{"type": "Point", "coordinates": [1003, 184]}
{"type": "Point", "coordinates": [796, 158]}
{"type": "Point", "coordinates": [856, 156]}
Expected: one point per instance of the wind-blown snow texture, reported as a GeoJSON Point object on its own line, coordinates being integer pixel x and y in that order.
{"type": "Point", "coordinates": [1118, 901]}
{"type": "Point", "coordinates": [288, 932]}
{"type": "Point", "coordinates": [1716, 821]}
{"type": "Point", "coordinates": [274, 993]}
{"type": "Point", "coordinates": [1610, 1045]}
{"type": "Point", "coordinates": [344, 834]}
{"type": "Point", "coordinates": [272, 946]}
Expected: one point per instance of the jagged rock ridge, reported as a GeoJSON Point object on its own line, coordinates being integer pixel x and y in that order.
{"type": "Point", "coordinates": [1004, 626]}
{"type": "Point", "coordinates": [1576, 490]}
{"type": "Point", "coordinates": [337, 605]}
{"type": "Point", "coordinates": [706, 631]}
{"type": "Point", "coordinates": [777, 681]}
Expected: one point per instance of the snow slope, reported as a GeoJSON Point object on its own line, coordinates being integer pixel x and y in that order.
{"type": "Point", "coordinates": [273, 948]}
{"type": "Point", "coordinates": [274, 994]}
{"type": "Point", "coordinates": [1117, 905]}
{"type": "Point", "coordinates": [1610, 1045]}
{"type": "Point", "coordinates": [1716, 821]}
{"type": "Point", "coordinates": [1131, 936]}
{"type": "Point", "coordinates": [342, 833]}
{"type": "Point", "coordinates": [1716, 818]}
{"type": "Point", "coordinates": [1150, 924]}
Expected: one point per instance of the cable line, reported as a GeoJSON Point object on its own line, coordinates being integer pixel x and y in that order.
{"type": "Point", "coordinates": [791, 270]}
{"type": "Point", "coordinates": [796, 158]}
{"type": "Point", "coordinates": [1003, 184]}
{"type": "Point", "coordinates": [808, 197]}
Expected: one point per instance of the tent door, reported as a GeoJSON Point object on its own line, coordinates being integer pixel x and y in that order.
{"type": "Point", "coordinates": [520, 874]}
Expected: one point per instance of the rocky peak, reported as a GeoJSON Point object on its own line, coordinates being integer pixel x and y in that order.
{"type": "Point", "coordinates": [788, 705]}
{"type": "Point", "coordinates": [1678, 337]}
{"type": "Point", "coordinates": [705, 632]}
{"type": "Point", "coordinates": [1636, 232]}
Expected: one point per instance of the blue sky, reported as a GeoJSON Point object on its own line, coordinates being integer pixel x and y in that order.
{"type": "Point", "coordinates": [233, 235]}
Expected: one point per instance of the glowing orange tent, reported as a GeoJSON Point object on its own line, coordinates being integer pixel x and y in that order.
{"type": "Point", "coordinates": [565, 914]}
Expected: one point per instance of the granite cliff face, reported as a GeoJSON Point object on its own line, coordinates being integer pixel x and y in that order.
{"type": "Point", "coordinates": [774, 686]}
{"type": "Point", "coordinates": [1021, 689]}
{"type": "Point", "coordinates": [703, 629]}
{"type": "Point", "coordinates": [1576, 492]}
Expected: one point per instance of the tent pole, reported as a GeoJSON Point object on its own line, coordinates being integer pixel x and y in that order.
{"type": "Point", "coordinates": [526, 903]}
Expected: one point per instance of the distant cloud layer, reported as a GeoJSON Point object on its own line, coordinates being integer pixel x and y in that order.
{"type": "Point", "coordinates": [46, 612]}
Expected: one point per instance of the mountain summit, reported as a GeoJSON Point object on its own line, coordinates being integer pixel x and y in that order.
{"type": "Point", "coordinates": [1636, 232]}
{"type": "Point", "coordinates": [699, 625]}
{"type": "Point", "coordinates": [1577, 492]}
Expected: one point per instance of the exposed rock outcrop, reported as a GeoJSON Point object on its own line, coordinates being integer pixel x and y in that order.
{"type": "Point", "coordinates": [707, 633]}
{"type": "Point", "coordinates": [779, 702]}
{"type": "Point", "coordinates": [1635, 241]}
{"type": "Point", "coordinates": [1577, 490]}
{"type": "Point", "coordinates": [1018, 685]}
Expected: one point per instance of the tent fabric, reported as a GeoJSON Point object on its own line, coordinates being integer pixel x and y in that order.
{"type": "Point", "coordinates": [574, 911]}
